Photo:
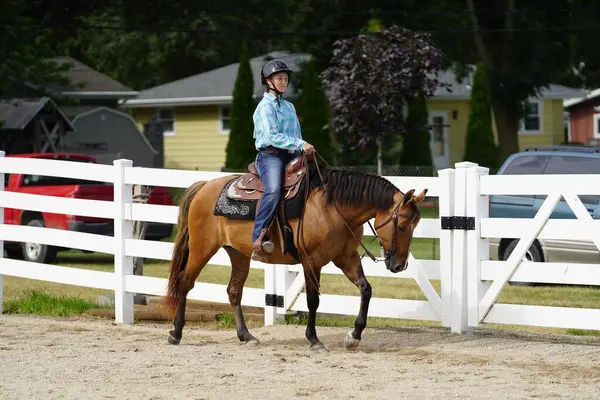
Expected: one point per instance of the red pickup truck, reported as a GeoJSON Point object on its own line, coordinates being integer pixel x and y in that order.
{"type": "Point", "coordinates": [72, 188]}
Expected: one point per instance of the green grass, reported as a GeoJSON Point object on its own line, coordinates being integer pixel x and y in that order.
{"type": "Point", "coordinates": [40, 303]}
{"type": "Point", "coordinates": [582, 332]}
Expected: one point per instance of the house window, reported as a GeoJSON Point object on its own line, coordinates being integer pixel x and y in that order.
{"type": "Point", "coordinates": [597, 126]}
{"type": "Point", "coordinates": [167, 116]}
{"type": "Point", "coordinates": [532, 122]}
{"type": "Point", "coordinates": [224, 119]}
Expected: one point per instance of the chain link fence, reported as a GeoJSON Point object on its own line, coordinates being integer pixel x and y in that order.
{"type": "Point", "coordinates": [393, 170]}
{"type": "Point", "coordinates": [398, 170]}
{"type": "Point", "coordinates": [388, 170]}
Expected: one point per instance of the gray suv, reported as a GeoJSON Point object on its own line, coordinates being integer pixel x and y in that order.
{"type": "Point", "coordinates": [566, 159]}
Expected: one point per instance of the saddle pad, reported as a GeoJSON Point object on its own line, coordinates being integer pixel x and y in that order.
{"type": "Point", "coordinates": [246, 209]}
{"type": "Point", "coordinates": [237, 209]}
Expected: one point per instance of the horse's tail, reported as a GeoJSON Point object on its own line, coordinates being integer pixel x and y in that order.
{"type": "Point", "coordinates": [181, 248]}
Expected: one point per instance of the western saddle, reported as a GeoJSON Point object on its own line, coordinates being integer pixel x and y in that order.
{"type": "Point", "coordinates": [249, 186]}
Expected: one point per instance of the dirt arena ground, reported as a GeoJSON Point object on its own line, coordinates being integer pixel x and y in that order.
{"type": "Point", "coordinates": [45, 358]}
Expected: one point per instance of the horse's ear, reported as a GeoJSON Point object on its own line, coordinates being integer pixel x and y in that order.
{"type": "Point", "coordinates": [420, 197]}
{"type": "Point", "coordinates": [408, 196]}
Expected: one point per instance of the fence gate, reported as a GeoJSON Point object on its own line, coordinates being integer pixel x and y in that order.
{"type": "Point", "coordinates": [483, 296]}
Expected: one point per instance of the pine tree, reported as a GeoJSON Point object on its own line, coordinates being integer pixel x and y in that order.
{"type": "Point", "coordinates": [480, 147]}
{"type": "Point", "coordinates": [415, 148]}
{"type": "Point", "coordinates": [313, 112]}
{"type": "Point", "coordinates": [240, 147]}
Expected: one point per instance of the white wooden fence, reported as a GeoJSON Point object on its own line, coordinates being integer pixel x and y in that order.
{"type": "Point", "coordinates": [466, 299]}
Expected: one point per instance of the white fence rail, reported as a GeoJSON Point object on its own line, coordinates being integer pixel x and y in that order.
{"type": "Point", "coordinates": [467, 298]}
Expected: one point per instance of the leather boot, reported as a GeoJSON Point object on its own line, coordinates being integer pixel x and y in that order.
{"type": "Point", "coordinates": [262, 248]}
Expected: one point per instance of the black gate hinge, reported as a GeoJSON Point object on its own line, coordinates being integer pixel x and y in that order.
{"type": "Point", "coordinates": [272, 300]}
{"type": "Point", "coordinates": [458, 223]}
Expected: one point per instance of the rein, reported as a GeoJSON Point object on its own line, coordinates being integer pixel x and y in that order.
{"type": "Point", "coordinates": [393, 217]}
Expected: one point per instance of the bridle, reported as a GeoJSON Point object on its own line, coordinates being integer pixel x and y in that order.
{"type": "Point", "coordinates": [392, 218]}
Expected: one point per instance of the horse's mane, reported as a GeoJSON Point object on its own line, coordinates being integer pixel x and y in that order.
{"type": "Point", "coordinates": [353, 188]}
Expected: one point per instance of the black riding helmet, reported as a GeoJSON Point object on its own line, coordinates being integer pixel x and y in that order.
{"type": "Point", "coordinates": [273, 67]}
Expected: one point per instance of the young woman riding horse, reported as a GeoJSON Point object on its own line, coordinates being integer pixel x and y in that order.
{"type": "Point", "coordinates": [278, 139]}
{"type": "Point", "coordinates": [339, 203]}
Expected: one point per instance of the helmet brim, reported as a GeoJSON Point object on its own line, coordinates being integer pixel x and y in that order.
{"type": "Point", "coordinates": [264, 79]}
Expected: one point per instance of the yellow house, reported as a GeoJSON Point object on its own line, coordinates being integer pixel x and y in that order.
{"type": "Point", "coordinates": [449, 116]}
{"type": "Point", "coordinates": [196, 111]}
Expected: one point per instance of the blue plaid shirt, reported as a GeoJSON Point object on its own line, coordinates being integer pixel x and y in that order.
{"type": "Point", "coordinates": [276, 124]}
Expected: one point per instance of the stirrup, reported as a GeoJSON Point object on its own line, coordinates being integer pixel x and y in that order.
{"type": "Point", "coordinates": [268, 246]}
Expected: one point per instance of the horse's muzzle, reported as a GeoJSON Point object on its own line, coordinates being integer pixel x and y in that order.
{"type": "Point", "coordinates": [397, 267]}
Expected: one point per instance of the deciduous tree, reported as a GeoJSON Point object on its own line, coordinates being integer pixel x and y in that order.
{"type": "Point", "coordinates": [372, 78]}
{"type": "Point", "coordinates": [26, 57]}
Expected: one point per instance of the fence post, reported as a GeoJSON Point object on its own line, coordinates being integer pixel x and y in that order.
{"type": "Point", "coordinates": [270, 295]}
{"type": "Point", "coordinates": [446, 212]}
{"type": "Point", "coordinates": [460, 224]}
{"type": "Point", "coordinates": [283, 280]}
{"type": "Point", "coordinates": [1, 241]}
{"type": "Point", "coordinates": [478, 249]}
{"type": "Point", "coordinates": [123, 230]}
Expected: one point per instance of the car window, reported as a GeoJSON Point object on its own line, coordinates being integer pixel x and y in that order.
{"type": "Point", "coordinates": [527, 165]}
{"type": "Point", "coordinates": [45, 180]}
{"type": "Point", "coordinates": [564, 164]}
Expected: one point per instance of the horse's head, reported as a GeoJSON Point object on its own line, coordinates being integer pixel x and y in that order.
{"type": "Point", "coordinates": [395, 228]}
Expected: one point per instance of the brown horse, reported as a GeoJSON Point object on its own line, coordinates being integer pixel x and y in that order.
{"type": "Point", "coordinates": [339, 203]}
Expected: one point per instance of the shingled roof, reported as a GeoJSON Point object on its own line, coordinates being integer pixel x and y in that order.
{"type": "Point", "coordinates": [18, 113]}
{"type": "Point", "coordinates": [460, 89]}
{"type": "Point", "coordinates": [94, 82]}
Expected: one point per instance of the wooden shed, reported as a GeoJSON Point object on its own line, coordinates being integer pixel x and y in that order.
{"type": "Point", "coordinates": [32, 125]}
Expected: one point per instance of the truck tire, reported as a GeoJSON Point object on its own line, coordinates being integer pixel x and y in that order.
{"type": "Point", "coordinates": [37, 252]}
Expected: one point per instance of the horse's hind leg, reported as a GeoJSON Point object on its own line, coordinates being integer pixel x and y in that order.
{"type": "Point", "coordinates": [353, 270]}
{"type": "Point", "coordinates": [197, 260]}
{"type": "Point", "coordinates": [240, 267]}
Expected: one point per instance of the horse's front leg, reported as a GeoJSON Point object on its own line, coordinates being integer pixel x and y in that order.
{"type": "Point", "coordinates": [352, 268]}
{"type": "Point", "coordinates": [312, 277]}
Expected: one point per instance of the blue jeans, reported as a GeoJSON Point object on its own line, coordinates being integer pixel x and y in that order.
{"type": "Point", "coordinates": [270, 167]}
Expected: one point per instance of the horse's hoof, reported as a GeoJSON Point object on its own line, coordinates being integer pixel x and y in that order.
{"type": "Point", "coordinates": [252, 344]}
{"type": "Point", "coordinates": [172, 340]}
{"type": "Point", "coordinates": [350, 342]}
{"type": "Point", "coordinates": [319, 348]}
